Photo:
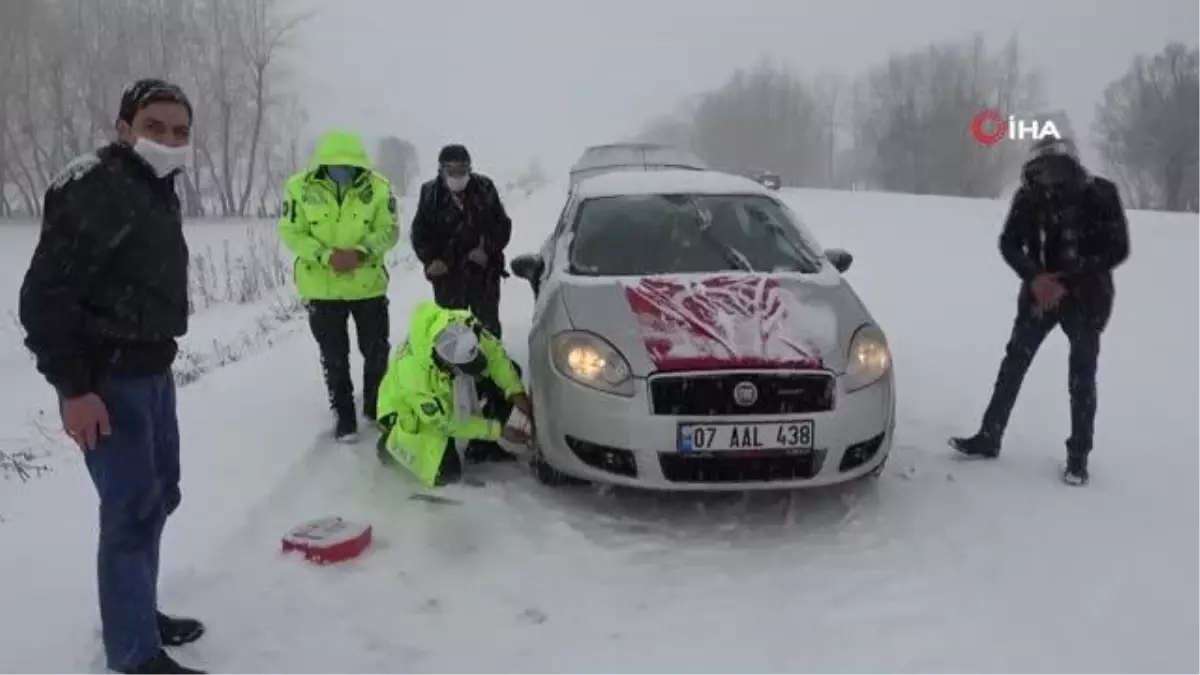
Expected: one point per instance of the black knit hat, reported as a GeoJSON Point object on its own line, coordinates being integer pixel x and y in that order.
{"type": "Point", "coordinates": [150, 90]}
{"type": "Point", "coordinates": [1048, 146]}
{"type": "Point", "coordinates": [454, 154]}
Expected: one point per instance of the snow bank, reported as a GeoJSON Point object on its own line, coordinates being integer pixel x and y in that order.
{"type": "Point", "coordinates": [941, 566]}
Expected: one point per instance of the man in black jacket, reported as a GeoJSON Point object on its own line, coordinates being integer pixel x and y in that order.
{"type": "Point", "coordinates": [1066, 232]}
{"type": "Point", "coordinates": [459, 233]}
{"type": "Point", "coordinates": [102, 304]}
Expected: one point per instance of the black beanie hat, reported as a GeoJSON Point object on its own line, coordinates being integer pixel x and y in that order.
{"type": "Point", "coordinates": [454, 153]}
{"type": "Point", "coordinates": [150, 90]}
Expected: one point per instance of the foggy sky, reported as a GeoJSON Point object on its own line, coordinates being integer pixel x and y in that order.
{"type": "Point", "coordinates": [516, 78]}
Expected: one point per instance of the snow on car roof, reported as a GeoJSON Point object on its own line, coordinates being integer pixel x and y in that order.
{"type": "Point", "coordinates": [619, 183]}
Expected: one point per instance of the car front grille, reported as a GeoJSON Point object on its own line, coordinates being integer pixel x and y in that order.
{"type": "Point", "coordinates": [758, 467]}
{"type": "Point", "coordinates": [712, 394]}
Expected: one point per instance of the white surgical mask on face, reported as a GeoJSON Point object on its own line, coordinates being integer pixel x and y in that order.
{"type": "Point", "coordinates": [164, 159]}
{"type": "Point", "coordinates": [457, 183]}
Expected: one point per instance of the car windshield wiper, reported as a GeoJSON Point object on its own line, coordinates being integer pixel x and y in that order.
{"type": "Point", "coordinates": [798, 250]}
{"type": "Point", "coordinates": [731, 255]}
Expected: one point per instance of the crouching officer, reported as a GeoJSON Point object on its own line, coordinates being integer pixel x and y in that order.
{"type": "Point", "coordinates": [449, 390]}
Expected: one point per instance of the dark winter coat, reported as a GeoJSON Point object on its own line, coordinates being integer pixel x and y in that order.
{"type": "Point", "coordinates": [106, 293]}
{"type": "Point", "coordinates": [1080, 233]}
{"type": "Point", "coordinates": [441, 230]}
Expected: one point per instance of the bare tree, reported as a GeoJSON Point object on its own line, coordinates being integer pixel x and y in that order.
{"type": "Point", "coordinates": [63, 64]}
{"type": "Point", "coordinates": [397, 159]}
{"type": "Point", "coordinates": [264, 33]}
{"type": "Point", "coordinates": [1146, 126]}
{"type": "Point", "coordinates": [913, 115]}
{"type": "Point", "coordinates": [16, 19]}
{"type": "Point", "coordinates": [764, 117]}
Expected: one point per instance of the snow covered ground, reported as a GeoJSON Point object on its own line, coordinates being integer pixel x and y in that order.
{"type": "Point", "coordinates": [940, 566]}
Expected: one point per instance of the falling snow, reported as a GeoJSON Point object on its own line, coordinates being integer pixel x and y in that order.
{"type": "Point", "coordinates": [939, 566]}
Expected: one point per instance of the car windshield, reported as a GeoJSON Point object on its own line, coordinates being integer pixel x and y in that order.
{"type": "Point", "coordinates": [640, 235]}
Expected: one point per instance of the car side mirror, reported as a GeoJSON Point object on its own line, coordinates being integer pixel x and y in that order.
{"type": "Point", "coordinates": [840, 258]}
{"type": "Point", "coordinates": [528, 267]}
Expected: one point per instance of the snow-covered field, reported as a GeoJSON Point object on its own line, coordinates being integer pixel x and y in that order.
{"type": "Point", "coordinates": [939, 566]}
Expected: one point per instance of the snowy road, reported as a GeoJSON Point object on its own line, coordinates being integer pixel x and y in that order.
{"type": "Point", "coordinates": [941, 565]}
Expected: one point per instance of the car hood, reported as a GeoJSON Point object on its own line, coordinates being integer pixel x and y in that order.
{"type": "Point", "coordinates": [721, 321]}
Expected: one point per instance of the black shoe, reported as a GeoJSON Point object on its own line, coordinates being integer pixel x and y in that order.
{"type": "Point", "coordinates": [487, 451]}
{"type": "Point", "coordinates": [177, 631]}
{"type": "Point", "coordinates": [1076, 471]}
{"type": "Point", "coordinates": [346, 429]}
{"type": "Point", "coordinates": [976, 446]}
{"type": "Point", "coordinates": [162, 663]}
{"type": "Point", "coordinates": [381, 451]}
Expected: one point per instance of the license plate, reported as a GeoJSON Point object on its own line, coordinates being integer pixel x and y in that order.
{"type": "Point", "coordinates": [726, 437]}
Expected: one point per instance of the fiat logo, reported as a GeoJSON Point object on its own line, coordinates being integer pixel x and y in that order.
{"type": "Point", "coordinates": [745, 394]}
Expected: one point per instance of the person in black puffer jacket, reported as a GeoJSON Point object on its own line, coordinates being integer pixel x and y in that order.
{"type": "Point", "coordinates": [103, 302]}
{"type": "Point", "coordinates": [1065, 233]}
{"type": "Point", "coordinates": [459, 234]}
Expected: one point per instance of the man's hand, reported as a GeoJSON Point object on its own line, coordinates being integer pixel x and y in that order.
{"type": "Point", "coordinates": [436, 269]}
{"type": "Point", "coordinates": [343, 261]}
{"type": "Point", "coordinates": [478, 256]}
{"type": "Point", "coordinates": [516, 436]}
{"type": "Point", "coordinates": [521, 402]}
{"type": "Point", "coordinates": [85, 419]}
{"type": "Point", "coordinates": [1047, 291]}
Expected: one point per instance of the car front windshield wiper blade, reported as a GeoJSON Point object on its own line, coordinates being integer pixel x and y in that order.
{"type": "Point", "coordinates": [731, 255]}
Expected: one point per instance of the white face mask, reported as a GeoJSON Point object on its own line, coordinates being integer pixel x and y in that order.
{"type": "Point", "coordinates": [457, 184]}
{"type": "Point", "coordinates": [163, 158]}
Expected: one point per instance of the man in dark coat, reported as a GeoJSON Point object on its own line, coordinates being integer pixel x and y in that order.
{"type": "Point", "coordinates": [102, 304]}
{"type": "Point", "coordinates": [459, 233]}
{"type": "Point", "coordinates": [1065, 234]}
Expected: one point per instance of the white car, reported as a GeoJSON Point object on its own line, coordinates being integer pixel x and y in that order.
{"type": "Point", "coordinates": [690, 334]}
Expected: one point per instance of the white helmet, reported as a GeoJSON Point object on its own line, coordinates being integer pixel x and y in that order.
{"type": "Point", "coordinates": [457, 347]}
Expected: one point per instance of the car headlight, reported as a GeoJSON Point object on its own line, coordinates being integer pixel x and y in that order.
{"type": "Point", "coordinates": [591, 361]}
{"type": "Point", "coordinates": [869, 358]}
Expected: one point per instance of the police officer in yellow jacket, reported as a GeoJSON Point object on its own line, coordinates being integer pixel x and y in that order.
{"type": "Point", "coordinates": [430, 403]}
{"type": "Point", "coordinates": [340, 221]}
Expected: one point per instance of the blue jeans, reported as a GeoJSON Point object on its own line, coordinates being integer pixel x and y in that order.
{"type": "Point", "coordinates": [136, 473]}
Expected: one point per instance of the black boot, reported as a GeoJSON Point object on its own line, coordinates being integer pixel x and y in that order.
{"type": "Point", "coordinates": [346, 428]}
{"type": "Point", "coordinates": [162, 663]}
{"type": "Point", "coordinates": [487, 451]}
{"type": "Point", "coordinates": [1076, 470]}
{"type": "Point", "coordinates": [381, 451]}
{"type": "Point", "coordinates": [176, 631]}
{"type": "Point", "coordinates": [979, 446]}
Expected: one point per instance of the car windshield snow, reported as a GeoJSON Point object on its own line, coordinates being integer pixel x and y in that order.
{"type": "Point", "coordinates": [638, 235]}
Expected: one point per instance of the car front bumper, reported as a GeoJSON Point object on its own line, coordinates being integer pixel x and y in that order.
{"type": "Point", "coordinates": [612, 439]}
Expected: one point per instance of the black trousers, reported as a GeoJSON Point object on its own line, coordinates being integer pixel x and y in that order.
{"type": "Point", "coordinates": [1083, 329]}
{"type": "Point", "coordinates": [495, 407]}
{"type": "Point", "coordinates": [329, 320]}
{"type": "Point", "coordinates": [475, 289]}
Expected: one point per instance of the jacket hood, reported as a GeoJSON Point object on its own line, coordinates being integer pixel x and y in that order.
{"type": "Point", "coordinates": [341, 148]}
{"type": "Point", "coordinates": [427, 321]}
